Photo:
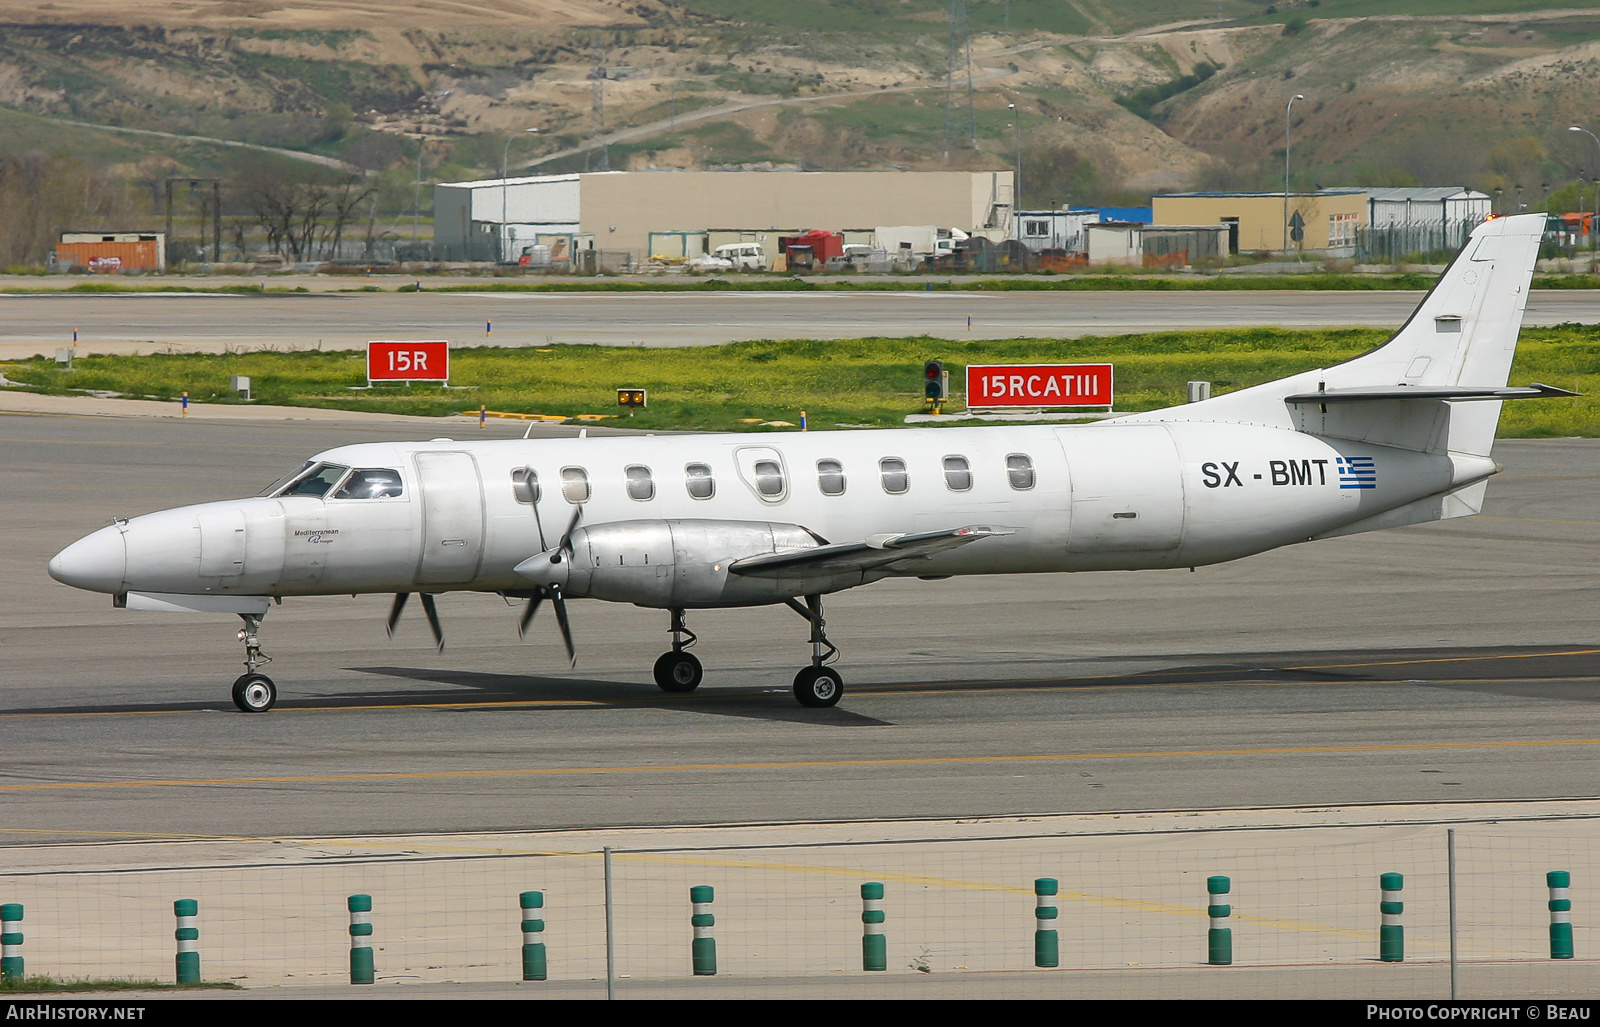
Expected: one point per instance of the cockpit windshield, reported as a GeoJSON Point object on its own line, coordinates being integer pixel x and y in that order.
{"type": "Point", "coordinates": [294, 475]}
{"type": "Point", "coordinates": [315, 480]}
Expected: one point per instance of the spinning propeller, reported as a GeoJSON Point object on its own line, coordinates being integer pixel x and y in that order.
{"type": "Point", "coordinates": [563, 551]}
{"type": "Point", "coordinates": [428, 607]}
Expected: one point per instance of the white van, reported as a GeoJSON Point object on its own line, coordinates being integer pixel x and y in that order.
{"type": "Point", "coordinates": [742, 256]}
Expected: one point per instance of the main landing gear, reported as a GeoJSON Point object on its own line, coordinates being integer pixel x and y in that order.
{"type": "Point", "coordinates": [679, 670]}
{"type": "Point", "coordinates": [252, 692]}
{"type": "Point", "coordinates": [817, 685]}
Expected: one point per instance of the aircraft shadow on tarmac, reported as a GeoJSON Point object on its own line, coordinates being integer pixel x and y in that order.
{"type": "Point", "coordinates": [1569, 673]}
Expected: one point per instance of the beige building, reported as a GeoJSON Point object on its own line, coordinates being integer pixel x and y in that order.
{"type": "Point", "coordinates": [619, 210]}
{"type": "Point", "coordinates": [1256, 221]}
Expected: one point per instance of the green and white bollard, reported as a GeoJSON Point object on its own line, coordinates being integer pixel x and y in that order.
{"type": "Point", "coordinates": [533, 962]}
{"type": "Point", "coordinates": [874, 947]}
{"type": "Point", "coordinates": [1391, 934]}
{"type": "Point", "coordinates": [10, 942]}
{"type": "Point", "coordinates": [704, 947]}
{"type": "Point", "coordinates": [360, 939]}
{"type": "Point", "coordinates": [1560, 914]}
{"type": "Point", "coordinates": [188, 936]}
{"type": "Point", "coordinates": [1046, 946]}
{"type": "Point", "coordinates": [1219, 939]}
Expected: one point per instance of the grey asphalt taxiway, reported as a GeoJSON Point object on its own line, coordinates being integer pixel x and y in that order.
{"type": "Point", "coordinates": [1454, 661]}
{"type": "Point", "coordinates": [125, 323]}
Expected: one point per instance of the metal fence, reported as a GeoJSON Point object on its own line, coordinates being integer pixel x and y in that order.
{"type": "Point", "coordinates": [1412, 244]}
{"type": "Point", "coordinates": [1136, 915]}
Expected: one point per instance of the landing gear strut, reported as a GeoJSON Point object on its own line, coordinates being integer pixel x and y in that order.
{"type": "Point", "coordinates": [679, 670]}
{"type": "Point", "coordinates": [817, 685]}
{"type": "Point", "coordinates": [252, 692]}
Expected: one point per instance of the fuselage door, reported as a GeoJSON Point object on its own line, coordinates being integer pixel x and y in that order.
{"type": "Point", "coordinates": [452, 518]}
{"type": "Point", "coordinates": [1127, 488]}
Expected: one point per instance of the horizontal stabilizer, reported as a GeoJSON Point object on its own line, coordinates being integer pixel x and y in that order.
{"type": "Point", "coordinates": [1453, 392]}
{"type": "Point", "coordinates": [872, 552]}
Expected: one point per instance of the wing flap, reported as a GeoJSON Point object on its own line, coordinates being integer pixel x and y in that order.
{"type": "Point", "coordinates": [872, 552]}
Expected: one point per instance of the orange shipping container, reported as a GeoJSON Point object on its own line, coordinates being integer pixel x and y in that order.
{"type": "Point", "coordinates": [108, 252]}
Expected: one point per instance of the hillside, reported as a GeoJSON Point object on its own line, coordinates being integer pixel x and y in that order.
{"type": "Point", "coordinates": [1113, 97]}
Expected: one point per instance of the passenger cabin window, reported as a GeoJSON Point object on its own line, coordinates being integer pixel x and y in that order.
{"type": "Point", "coordinates": [769, 478]}
{"type": "Point", "coordinates": [1019, 468]}
{"type": "Point", "coordinates": [957, 474]}
{"type": "Point", "coordinates": [370, 483]}
{"type": "Point", "coordinates": [698, 479]}
{"type": "Point", "coordinates": [893, 470]}
{"type": "Point", "coordinates": [641, 486]}
{"type": "Point", "coordinates": [315, 483]}
{"type": "Point", "coordinates": [525, 485]}
{"type": "Point", "coordinates": [830, 477]}
{"type": "Point", "coordinates": [575, 484]}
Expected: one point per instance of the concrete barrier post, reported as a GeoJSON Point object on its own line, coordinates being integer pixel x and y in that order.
{"type": "Point", "coordinates": [1219, 939]}
{"type": "Point", "coordinates": [361, 971]}
{"type": "Point", "coordinates": [704, 947]}
{"type": "Point", "coordinates": [1391, 934]}
{"type": "Point", "coordinates": [188, 936]}
{"type": "Point", "coordinates": [10, 941]}
{"type": "Point", "coordinates": [533, 961]}
{"type": "Point", "coordinates": [1046, 946]}
{"type": "Point", "coordinates": [1560, 914]}
{"type": "Point", "coordinates": [874, 947]}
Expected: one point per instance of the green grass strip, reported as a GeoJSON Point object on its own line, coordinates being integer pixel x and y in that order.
{"type": "Point", "coordinates": [867, 381]}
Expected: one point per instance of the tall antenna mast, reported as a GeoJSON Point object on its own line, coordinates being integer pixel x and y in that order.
{"type": "Point", "coordinates": [959, 56]}
{"type": "Point", "coordinates": [597, 78]}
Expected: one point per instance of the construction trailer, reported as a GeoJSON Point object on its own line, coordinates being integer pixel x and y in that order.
{"type": "Point", "coordinates": [112, 252]}
{"type": "Point", "coordinates": [1056, 231]}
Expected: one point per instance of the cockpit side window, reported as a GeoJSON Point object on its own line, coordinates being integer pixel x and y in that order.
{"type": "Point", "coordinates": [370, 483]}
{"type": "Point", "coordinates": [316, 482]}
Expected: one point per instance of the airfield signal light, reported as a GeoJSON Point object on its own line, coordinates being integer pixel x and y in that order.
{"type": "Point", "coordinates": [935, 384]}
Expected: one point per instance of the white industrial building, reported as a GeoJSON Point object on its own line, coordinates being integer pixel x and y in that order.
{"type": "Point", "coordinates": [1436, 206]}
{"type": "Point", "coordinates": [626, 211]}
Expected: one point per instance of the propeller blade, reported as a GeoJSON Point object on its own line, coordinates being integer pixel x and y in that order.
{"type": "Point", "coordinates": [527, 614]}
{"type": "Point", "coordinates": [395, 610]}
{"type": "Point", "coordinates": [560, 603]}
{"type": "Point", "coordinates": [432, 611]}
{"type": "Point", "coordinates": [572, 525]}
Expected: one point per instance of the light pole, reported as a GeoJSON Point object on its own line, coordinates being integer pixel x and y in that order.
{"type": "Point", "coordinates": [505, 159]}
{"type": "Point", "coordinates": [1287, 108]}
{"type": "Point", "coordinates": [1016, 182]}
{"type": "Point", "coordinates": [1596, 217]}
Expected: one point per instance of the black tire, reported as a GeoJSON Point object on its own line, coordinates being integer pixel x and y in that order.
{"type": "Point", "coordinates": [818, 687]}
{"type": "Point", "coordinates": [255, 693]}
{"type": "Point", "coordinates": [678, 672]}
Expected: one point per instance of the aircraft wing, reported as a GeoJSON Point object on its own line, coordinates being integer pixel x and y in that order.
{"type": "Point", "coordinates": [1537, 390]}
{"type": "Point", "coordinates": [872, 552]}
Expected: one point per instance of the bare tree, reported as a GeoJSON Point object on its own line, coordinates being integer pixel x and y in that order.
{"type": "Point", "coordinates": [41, 197]}
{"type": "Point", "coordinates": [304, 217]}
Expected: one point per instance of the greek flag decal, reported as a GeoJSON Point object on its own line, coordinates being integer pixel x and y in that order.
{"type": "Point", "coordinates": [1357, 472]}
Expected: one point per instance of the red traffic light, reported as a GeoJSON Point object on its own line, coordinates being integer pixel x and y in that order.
{"type": "Point", "coordinates": [933, 369]}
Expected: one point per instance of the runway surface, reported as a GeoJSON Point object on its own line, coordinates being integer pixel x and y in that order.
{"type": "Point", "coordinates": [1444, 662]}
{"type": "Point", "coordinates": [125, 323]}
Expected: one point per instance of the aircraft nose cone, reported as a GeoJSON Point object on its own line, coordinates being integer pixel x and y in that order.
{"type": "Point", "coordinates": [96, 562]}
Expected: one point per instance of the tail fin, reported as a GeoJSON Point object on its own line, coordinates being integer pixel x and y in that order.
{"type": "Point", "coordinates": [1464, 333]}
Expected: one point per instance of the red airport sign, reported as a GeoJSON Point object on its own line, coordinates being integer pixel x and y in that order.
{"type": "Point", "coordinates": [408, 361]}
{"type": "Point", "coordinates": [1038, 385]}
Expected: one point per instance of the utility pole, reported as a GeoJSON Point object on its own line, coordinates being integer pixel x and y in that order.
{"type": "Point", "coordinates": [959, 52]}
{"type": "Point", "coordinates": [1016, 182]}
{"type": "Point", "coordinates": [597, 78]}
{"type": "Point", "coordinates": [1286, 110]}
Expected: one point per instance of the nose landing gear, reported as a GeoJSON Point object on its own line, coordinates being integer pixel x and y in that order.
{"type": "Point", "coordinates": [253, 692]}
{"type": "Point", "coordinates": [817, 685]}
{"type": "Point", "coordinates": [679, 670]}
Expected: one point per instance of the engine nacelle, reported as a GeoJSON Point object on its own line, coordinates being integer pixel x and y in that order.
{"type": "Point", "coordinates": [671, 564]}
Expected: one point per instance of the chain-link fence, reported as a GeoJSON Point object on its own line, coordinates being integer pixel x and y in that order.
{"type": "Point", "coordinates": [1136, 915]}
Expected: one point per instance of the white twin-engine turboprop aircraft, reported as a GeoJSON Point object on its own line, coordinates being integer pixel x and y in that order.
{"type": "Point", "coordinates": [1398, 436]}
